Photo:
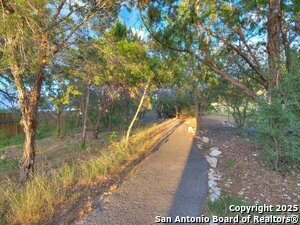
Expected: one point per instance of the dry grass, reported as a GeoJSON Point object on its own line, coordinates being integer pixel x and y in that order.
{"type": "Point", "coordinates": [36, 202]}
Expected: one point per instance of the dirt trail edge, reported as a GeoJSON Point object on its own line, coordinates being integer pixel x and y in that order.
{"type": "Point", "coordinates": [170, 182]}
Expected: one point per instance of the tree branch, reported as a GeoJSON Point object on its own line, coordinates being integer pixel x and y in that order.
{"type": "Point", "coordinates": [58, 10]}
{"type": "Point", "coordinates": [208, 64]}
{"type": "Point", "coordinates": [238, 51]}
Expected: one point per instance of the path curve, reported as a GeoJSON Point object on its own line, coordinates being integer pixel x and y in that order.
{"type": "Point", "coordinates": [170, 182]}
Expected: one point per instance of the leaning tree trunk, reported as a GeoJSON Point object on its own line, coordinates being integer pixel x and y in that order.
{"type": "Point", "coordinates": [28, 101]}
{"type": "Point", "coordinates": [85, 120]}
{"type": "Point", "coordinates": [136, 114]}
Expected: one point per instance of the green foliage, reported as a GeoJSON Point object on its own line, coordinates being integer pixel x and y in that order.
{"type": "Point", "coordinates": [237, 104]}
{"type": "Point", "coordinates": [112, 136]}
{"type": "Point", "coordinates": [278, 123]}
{"type": "Point", "coordinates": [15, 140]}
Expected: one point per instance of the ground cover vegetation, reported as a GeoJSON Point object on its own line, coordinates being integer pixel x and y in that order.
{"type": "Point", "coordinates": [81, 83]}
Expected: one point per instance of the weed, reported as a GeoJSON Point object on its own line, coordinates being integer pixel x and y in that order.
{"type": "Point", "coordinates": [34, 202]}
{"type": "Point", "coordinates": [220, 207]}
{"type": "Point", "coordinates": [231, 163]}
{"type": "Point", "coordinates": [112, 136]}
{"type": "Point", "coordinates": [206, 147]}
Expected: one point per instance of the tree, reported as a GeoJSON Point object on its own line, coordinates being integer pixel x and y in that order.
{"type": "Point", "coordinates": [60, 91]}
{"type": "Point", "coordinates": [201, 28]}
{"type": "Point", "coordinates": [130, 64]}
{"type": "Point", "coordinates": [136, 114]}
{"type": "Point", "coordinates": [34, 33]}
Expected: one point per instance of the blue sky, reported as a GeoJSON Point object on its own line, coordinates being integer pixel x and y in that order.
{"type": "Point", "coordinates": [132, 20]}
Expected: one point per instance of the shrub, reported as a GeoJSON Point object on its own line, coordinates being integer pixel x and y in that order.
{"type": "Point", "coordinates": [278, 122]}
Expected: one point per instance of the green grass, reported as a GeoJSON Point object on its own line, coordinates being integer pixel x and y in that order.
{"type": "Point", "coordinates": [231, 163]}
{"type": "Point", "coordinates": [44, 131]}
{"type": "Point", "coordinates": [221, 207]}
{"type": "Point", "coordinates": [15, 140]}
{"type": "Point", "coordinates": [35, 203]}
{"type": "Point", "coordinates": [7, 167]}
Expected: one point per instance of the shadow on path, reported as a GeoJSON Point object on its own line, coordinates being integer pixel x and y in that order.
{"type": "Point", "coordinates": [190, 196]}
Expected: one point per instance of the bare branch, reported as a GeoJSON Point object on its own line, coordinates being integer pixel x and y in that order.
{"type": "Point", "coordinates": [58, 10]}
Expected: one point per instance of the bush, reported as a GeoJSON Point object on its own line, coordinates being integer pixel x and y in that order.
{"type": "Point", "coordinates": [278, 122]}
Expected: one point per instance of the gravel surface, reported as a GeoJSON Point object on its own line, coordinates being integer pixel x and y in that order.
{"type": "Point", "coordinates": [170, 182]}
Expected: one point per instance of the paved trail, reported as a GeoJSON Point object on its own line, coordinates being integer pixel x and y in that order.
{"type": "Point", "coordinates": [170, 182]}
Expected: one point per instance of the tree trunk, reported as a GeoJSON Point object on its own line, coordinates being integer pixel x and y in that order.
{"type": "Point", "coordinates": [197, 109]}
{"type": "Point", "coordinates": [29, 122]}
{"type": "Point", "coordinates": [273, 45]}
{"type": "Point", "coordinates": [85, 120]}
{"type": "Point", "coordinates": [285, 41]}
{"type": "Point", "coordinates": [97, 126]}
{"type": "Point", "coordinates": [58, 123]}
{"type": "Point", "coordinates": [28, 101]}
{"type": "Point", "coordinates": [136, 114]}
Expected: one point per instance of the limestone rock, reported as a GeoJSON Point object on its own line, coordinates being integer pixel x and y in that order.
{"type": "Point", "coordinates": [205, 140]}
{"type": "Point", "coordinates": [212, 183]}
{"type": "Point", "coordinates": [215, 152]}
{"type": "Point", "coordinates": [212, 161]}
{"type": "Point", "coordinates": [228, 124]}
{"type": "Point", "coordinates": [191, 130]}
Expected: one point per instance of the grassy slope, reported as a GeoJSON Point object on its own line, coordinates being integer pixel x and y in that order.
{"type": "Point", "coordinates": [73, 166]}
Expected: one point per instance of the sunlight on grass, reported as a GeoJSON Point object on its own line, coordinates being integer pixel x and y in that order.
{"type": "Point", "coordinates": [36, 201]}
